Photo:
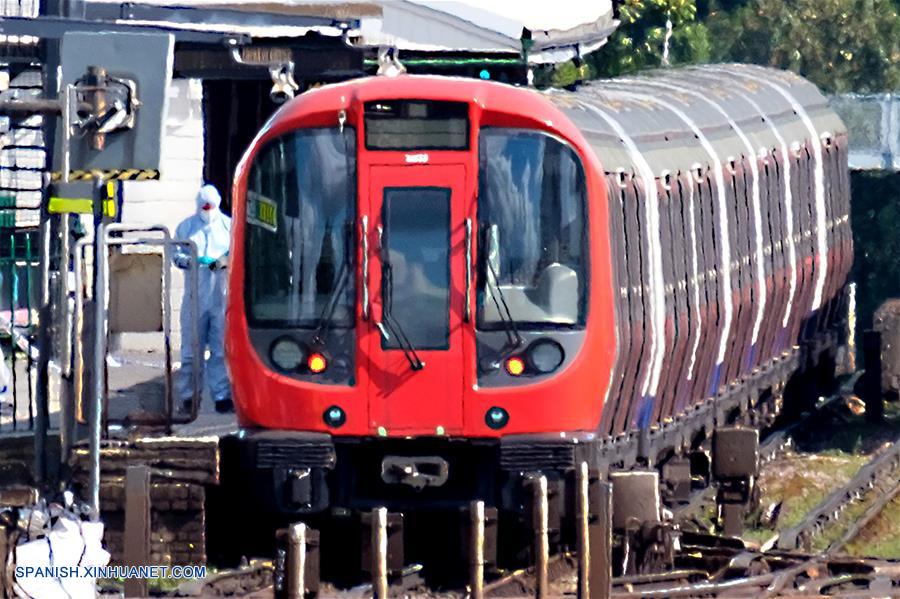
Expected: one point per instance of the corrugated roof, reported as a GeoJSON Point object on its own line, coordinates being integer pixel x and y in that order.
{"type": "Point", "coordinates": [556, 31]}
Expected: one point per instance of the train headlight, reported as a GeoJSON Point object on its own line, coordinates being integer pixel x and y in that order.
{"type": "Point", "coordinates": [496, 418]}
{"type": "Point", "coordinates": [287, 354]}
{"type": "Point", "coordinates": [545, 356]}
{"type": "Point", "coordinates": [334, 416]}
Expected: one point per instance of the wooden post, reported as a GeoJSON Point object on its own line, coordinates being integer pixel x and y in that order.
{"type": "Point", "coordinates": [541, 539]}
{"type": "Point", "coordinates": [476, 550]}
{"type": "Point", "coordinates": [379, 553]}
{"type": "Point", "coordinates": [582, 522]}
{"type": "Point", "coordinates": [295, 562]}
{"type": "Point", "coordinates": [600, 539]}
{"type": "Point", "coordinates": [137, 526]}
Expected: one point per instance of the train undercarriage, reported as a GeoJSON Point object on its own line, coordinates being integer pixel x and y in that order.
{"type": "Point", "coordinates": [428, 485]}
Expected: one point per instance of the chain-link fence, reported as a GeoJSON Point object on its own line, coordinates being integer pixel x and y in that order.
{"type": "Point", "coordinates": [873, 122]}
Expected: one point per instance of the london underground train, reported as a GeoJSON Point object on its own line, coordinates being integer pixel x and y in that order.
{"type": "Point", "coordinates": [441, 285]}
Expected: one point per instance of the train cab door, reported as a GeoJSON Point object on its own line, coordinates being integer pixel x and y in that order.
{"type": "Point", "coordinates": [417, 283]}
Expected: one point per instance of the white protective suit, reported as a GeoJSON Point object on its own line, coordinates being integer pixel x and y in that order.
{"type": "Point", "coordinates": [210, 230]}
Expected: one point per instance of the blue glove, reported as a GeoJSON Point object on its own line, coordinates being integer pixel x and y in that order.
{"type": "Point", "coordinates": [182, 262]}
{"type": "Point", "coordinates": [220, 264]}
{"type": "Point", "coordinates": [206, 260]}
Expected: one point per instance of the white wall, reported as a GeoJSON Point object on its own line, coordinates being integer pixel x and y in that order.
{"type": "Point", "coordinates": [171, 199]}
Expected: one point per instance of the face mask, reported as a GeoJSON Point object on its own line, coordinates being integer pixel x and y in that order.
{"type": "Point", "coordinates": [205, 215]}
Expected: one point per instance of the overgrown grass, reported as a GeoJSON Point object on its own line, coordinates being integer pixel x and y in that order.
{"type": "Point", "coordinates": [881, 538]}
{"type": "Point", "coordinates": [830, 452]}
{"type": "Point", "coordinates": [800, 482]}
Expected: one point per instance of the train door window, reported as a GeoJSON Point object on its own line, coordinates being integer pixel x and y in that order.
{"type": "Point", "coordinates": [416, 268]}
{"type": "Point", "coordinates": [531, 213]}
{"type": "Point", "coordinates": [301, 202]}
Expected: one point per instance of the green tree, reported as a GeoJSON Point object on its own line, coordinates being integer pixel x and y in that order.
{"type": "Point", "coordinates": [640, 39]}
{"type": "Point", "coordinates": [840, 45]}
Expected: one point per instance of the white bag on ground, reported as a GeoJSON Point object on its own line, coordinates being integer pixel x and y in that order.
{"type": "Point", "coordinates": [70, 542]}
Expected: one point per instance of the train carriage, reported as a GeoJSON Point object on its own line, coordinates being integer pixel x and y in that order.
{"type": "Point", "coordinates": [440, 285]}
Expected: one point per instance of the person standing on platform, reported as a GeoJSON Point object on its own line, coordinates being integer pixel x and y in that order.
{"type": "Point", "coordinates": [210, 230]}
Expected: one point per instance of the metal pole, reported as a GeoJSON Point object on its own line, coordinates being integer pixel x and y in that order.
{"type": "Point", "coordinates": [295, 568]}
{"type": "Point", "coordinates": [51, 85]}
{"type": "Point", "coordinates": [582, 520]}
{"type": "Point", "coordinates": [13, 284]}
{"type": "Point", "coordinates": [79, 356]}
{"type": "Point", "coordinates": [99, 350]}
{"type": "Point", "coordinates": [476, 551]}
{"type": "Point", "coordinates": [64, 333]}
{"type": "Point", "coordinates": [29, 359]}
{"type": "Point", "coordinates": [379, 553]}
{"type": "Point", "coordinates": [541, 539]}
{"type": "Point", "coordinates": [851, 328]}
{"type": "Point", "coordinates": [167, 331]}
{"type": "Point", "coordinates": [600, 540]}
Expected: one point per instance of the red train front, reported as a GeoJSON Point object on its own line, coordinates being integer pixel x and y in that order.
{"type": "Point", "coordinates": [438, 289]}
{"type": "Point", "coordinates": [421, 258]}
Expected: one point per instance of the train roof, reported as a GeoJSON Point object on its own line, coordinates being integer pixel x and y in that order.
{"type": "Point", "coordinates": [678, 119]}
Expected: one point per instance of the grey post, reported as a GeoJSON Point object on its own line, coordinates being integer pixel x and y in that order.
{"type": "Point", "coordinates": [137, 526]}
{"type": "Point", "coordinates": [51, 90]}
{"type": "Point", "coordinates": [600, 541]}
{"type": "Point", "coordinates": [582, 522]}
{"type": "Point", "coordinates": [98, 362]}
{"type": "Point", "coordinates": [379, 553]}
{"type": "Point", "coordinates": [64, 334]}
{"type": "Point", "coordinates": [541, 539]}
{"type": "Point", "coordinates": [476, 551]}
{"type": "Point", "coordinates": [295, 566]}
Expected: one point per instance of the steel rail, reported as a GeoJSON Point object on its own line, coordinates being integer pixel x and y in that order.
{"type": "Point", "coordinates": [867, 517]}
{"type": "Point", "coordinates": [884, 466]}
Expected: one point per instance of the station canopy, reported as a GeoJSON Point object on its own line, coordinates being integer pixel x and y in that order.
{"type": "Point", "coordinates": [537, 31]}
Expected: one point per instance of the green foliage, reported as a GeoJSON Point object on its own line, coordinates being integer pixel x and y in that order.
{"type": "Point", "coordinates": [840, 45]}
{"type": "Point", "coordinates": [639, 41]}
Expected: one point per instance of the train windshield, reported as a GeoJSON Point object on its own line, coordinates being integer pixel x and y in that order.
{"type": "Point", "coordinates": [533, 245]}
{"type": "Point", "coordinates": [301, 202]}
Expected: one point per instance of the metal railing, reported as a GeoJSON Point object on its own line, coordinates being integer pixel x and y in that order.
{"type": "Point", "coordinates": [19, 274]}
{"type": "Point", "coordinates": [91, 401]}
{"type": "Point", "coordinates": [124, 236]}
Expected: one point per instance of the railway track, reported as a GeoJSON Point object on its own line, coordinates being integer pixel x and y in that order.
{"type": "Point", "coordinates": [776, 444]}
{"type": "Point", "coordinates": [705, 565]}
{"type": "Point", "coordinates": [849, 508]}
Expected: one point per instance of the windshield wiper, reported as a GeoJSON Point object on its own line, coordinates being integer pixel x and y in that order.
{"type": "Point", "coordinates": [327, 316]}
{"type": "Point", "coordinates": [514, 340]}
{"type": "Point", "coordinates": [409, 352]}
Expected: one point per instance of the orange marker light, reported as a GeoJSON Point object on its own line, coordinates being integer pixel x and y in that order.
{"type": "Point", "coordinates": [515, 365]}
{"type": "Point", "coordinates": [316, 363]}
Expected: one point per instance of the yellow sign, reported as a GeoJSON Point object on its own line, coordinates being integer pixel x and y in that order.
{"type": "Point", "coordinates": [80, 206]}
{"type": "Point", "coordinates": [262, 211]}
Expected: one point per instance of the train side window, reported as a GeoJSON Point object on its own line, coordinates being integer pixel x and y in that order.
{"type": "Point", "coordinates": [532, 217]}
